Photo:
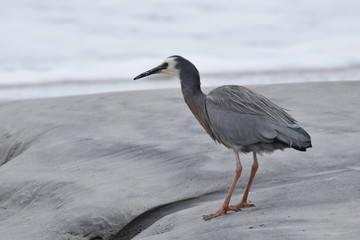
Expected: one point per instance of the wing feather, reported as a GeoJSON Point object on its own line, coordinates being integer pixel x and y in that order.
{"type": "Point", "coordinates": [232, 128]}
{"type": "Point", "coordinates": [243, 100]}
{"type": "Point", "coordinates": [239, 116]}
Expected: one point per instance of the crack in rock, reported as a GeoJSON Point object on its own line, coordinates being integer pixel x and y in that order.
{"type": "Point", "coordinates": [146, 219]}
{"type": "Point", "coordinates": [10, 148]}
{"type": "Point", "coordinates": [13, 144]}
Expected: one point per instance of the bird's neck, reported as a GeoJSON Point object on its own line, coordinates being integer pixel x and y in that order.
{"type": "Point", "coordinates": [193, 96]}
{"type": "Point", "coordinates": [196, 101]}
{"type": "Point", "coordinates": [190, 85]}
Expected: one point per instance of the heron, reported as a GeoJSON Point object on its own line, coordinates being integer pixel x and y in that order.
{"type": "Point", "coordinates": [238, 118]}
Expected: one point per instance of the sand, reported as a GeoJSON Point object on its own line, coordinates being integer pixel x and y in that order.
{"type": "Point", "coordinates": [110, 166]}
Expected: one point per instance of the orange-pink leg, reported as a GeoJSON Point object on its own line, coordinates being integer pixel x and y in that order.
{"type": "Point", "coordinates": [225, 207]}
{"type": "Point", "coordinates": [244, 202]}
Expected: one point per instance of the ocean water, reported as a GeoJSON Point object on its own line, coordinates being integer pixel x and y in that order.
{"type": "Point", "coordinates": [55, 48]}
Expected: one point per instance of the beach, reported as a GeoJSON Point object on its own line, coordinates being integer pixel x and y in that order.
{"type": "Point", "coordinates": [137, 164]}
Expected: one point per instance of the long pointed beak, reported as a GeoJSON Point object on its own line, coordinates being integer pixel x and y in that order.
{"type": "Point", "coordinates": [152, 71]}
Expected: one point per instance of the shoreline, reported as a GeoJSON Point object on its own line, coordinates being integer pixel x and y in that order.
{"type": "Point", "coordinates": [72, 87]}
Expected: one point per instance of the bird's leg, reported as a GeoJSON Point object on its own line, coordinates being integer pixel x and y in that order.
{"type": "Point", "coordinates": [225, 207]}
{"type": "Point", "coordinates": [244, 202]}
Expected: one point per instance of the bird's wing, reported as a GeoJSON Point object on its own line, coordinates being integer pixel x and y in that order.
{"type": "Point", "coordinates": [242, 100]}
{"type": "Point", "coordinates": [232, 128]}
{"type": "Point", "coordinates": [240, 116]}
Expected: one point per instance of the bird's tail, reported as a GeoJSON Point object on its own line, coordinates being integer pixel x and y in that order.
{"type": "Point", "coordinates": [294, 136]}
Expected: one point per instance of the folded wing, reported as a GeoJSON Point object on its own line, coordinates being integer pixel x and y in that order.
{"type": "Point", "coordinates": [239, 116]}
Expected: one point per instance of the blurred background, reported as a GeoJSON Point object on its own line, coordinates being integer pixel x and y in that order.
{"type": "Point", "coordinates": [69, 47]}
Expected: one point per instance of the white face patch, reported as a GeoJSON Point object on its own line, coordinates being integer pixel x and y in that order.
{"type": "Point", "coordinates": [171, 69]}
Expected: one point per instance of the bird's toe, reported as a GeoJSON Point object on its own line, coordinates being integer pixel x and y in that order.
{"type": "Point", "coordinates": [243, 204]}
{"type": "Point", "coordinates": [222, 211]}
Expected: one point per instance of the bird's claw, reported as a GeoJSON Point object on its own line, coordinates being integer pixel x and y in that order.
{"type": "Point", "coordinates": [243, 204]}
{"type": "Point", "coordinates": [222, 211]}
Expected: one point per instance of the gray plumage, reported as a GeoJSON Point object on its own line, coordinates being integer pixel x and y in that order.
{"type": "Point", "coordinates": [238, 118]}
{"type": "Point", "coordinates": [243, 119]}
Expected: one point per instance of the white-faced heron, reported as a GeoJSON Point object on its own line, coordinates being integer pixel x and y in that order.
{"type": "Point", "coordinates": [238, 118]}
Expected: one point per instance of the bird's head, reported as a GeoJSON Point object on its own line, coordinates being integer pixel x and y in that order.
{"type": "Point", "coordinates": [171, 65]}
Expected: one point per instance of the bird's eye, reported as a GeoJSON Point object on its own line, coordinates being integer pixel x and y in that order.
{"type": "Point", "coordinates": [165, 64]}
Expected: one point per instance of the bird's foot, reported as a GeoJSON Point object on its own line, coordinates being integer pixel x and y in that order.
{"type": "Point", "coordinates": [243, 204]}
{"type": "Point", "coordinates": [222, 211]}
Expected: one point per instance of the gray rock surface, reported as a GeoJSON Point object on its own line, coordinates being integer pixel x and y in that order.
{"type": "Point", "coordinates": [108, 166]}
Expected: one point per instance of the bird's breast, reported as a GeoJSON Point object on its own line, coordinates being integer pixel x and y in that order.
{"type": "Point", "coordinates": [197, 105]}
